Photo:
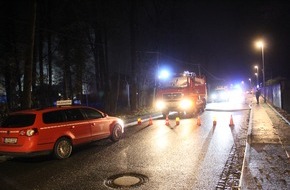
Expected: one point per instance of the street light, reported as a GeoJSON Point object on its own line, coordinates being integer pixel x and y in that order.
{"type": "Point", "coordinates": [257, 74]}
{"type": "Point", "coordinates": [260, 44]}
{"type": "Point", "coordinates": [250, 82]}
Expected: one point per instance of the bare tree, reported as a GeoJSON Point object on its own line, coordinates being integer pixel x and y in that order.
{"type": "Point", "coordinates": [133, 23]}
{"type": "Point", "coordinates": [26, 98]}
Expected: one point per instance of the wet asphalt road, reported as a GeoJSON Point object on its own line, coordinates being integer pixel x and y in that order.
{"type": "Point", "coordinates": [184, 156]}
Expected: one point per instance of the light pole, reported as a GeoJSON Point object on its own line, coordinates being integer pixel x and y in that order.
{"type": "Point", "coordinates": [250, 82]}
{"type": "Point", "coordinates": [260, 44]}
{"type": "Point", "coordinates": [257, 75]}
{"type": "Point", "coordinates": [257, 80]}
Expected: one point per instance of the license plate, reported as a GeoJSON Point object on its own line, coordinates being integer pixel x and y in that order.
{"type": "Point", "coordinates": [10, 140]}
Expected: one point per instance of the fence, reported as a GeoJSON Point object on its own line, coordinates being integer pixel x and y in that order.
{"type": "Point", "coordinates": [278, 95]}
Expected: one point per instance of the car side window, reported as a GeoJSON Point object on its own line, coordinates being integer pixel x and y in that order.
{"type": "Point", "coordinates": [53, 117]}
{"type": "Point", "coordinates": [92, 114]}
{"type": "Point", "coordinates": [74, 115]}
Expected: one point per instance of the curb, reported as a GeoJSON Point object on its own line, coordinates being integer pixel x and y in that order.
{"type": "Point", "coordinates": [247, 149]}
{"type": "Point", "coordinates": [249, 140]}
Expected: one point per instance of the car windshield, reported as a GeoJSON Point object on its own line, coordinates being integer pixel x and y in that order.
{"type": "Point", "coordinates": [220, 91]}
{"type": "Point", "coordinates": [19, 120]}
{"type": "Point", "coordinates": [178, 82]}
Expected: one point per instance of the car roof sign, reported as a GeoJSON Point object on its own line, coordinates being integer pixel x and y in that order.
{"type": "Point", "coordinates": [64, 102]}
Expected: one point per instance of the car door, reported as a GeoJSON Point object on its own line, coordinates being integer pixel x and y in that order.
{"type": "Point", "coordinates": [79, 127]}
{"type": "Point", "coordinates": [98, 122]}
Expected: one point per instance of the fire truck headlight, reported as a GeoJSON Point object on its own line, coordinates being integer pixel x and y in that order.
{"type": "Point", "coordinates": [224, 96]}
{"type": "Point", "coordinates": [214, 96]}
{"type": "Point", "coordinates": [160, 105]}
{"type": "Point", "coordinates": [185, 104]}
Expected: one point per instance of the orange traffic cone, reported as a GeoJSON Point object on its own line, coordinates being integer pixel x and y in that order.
{"type": "Point", "coordinates": [177, 120]}
{"type": "Point", "coordinates": [139, 121]}
{"type": "Point", "coordinates": [150, 121]}
{"type": "Point", "coordinates": [231, 122]}
{"type": "Point", "coordinates": [214, 121]}
{"type": "Point", "coordinates": [198, 122]}
{"type": "Point", "coordinates": [167, 121]}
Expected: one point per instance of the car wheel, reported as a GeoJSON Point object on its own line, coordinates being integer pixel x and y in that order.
{"type": "Point", "coordinates": [116, 133]}
{"type": "Point", "coordinates": [62, 148]}
{"type": "Point", "coordinates": [203, 108]}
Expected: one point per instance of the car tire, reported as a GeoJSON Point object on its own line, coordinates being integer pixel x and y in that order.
{"type": "Point", "coordinates": [116, 133]}
{"type": "Point", "coordinates": [203, 108]}
{"type": "Point", "coordinates": [62, 148]}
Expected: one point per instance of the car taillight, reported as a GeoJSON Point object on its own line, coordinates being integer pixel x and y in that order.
{"type": "Point", "coordinates": [28, 132]}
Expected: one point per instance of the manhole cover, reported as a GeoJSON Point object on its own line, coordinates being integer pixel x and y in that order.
{"type": "Point", "coordinates": [126, 180]}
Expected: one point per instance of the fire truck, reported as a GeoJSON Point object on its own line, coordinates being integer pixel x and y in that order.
{"type": "Point", "coordinates": [185, 93]}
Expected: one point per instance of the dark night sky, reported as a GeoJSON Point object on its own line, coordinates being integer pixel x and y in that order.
{"type": "Point", "coordinates": [220, 36]}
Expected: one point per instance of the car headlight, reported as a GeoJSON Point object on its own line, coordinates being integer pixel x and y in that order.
{"type": "Point", "coordinates": [186, 103]}
{"type": "Point", "coordinates": [160, 105]}
{"type": "Point", "coordinates": [213, 96]}
{"type": "Point", "coordinates": [121, 122]}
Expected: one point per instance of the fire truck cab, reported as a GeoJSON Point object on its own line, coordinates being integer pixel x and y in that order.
{"type": "Point", "coordinates": [184, 93]}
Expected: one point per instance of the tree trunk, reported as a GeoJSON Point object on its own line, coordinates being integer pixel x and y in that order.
{"type": "Point", "coordinates": [107, 82]}
{"type": "Point", "coordinates": [48, 38]}
{"type": "Point", "coordinates": [40, 59]}
{"type": "Point", "coordinates": [41, 91]}
{"type": "Point", "coordinates": [66, 70]}
{"type": "Point", "coordinates": [26, 98]}
{"type": "Point", "coordinates": [133, 55]}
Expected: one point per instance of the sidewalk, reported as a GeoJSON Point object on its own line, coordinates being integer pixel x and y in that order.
{"type": "Point", "coordinates": [266, 163]}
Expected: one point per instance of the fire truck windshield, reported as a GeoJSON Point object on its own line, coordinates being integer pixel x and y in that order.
{"type": "Point", "coordinates": [178, 82]}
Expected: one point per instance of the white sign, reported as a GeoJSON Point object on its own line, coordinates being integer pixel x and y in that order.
{"type": "Point", "coordinates": [64, 102]}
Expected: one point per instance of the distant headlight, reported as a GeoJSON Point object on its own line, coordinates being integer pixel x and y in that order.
{"type": "Point", "coordinates": [160, 105]}
{"type": "Point", "coordinates": [224, 96]}
{"type": "Point", "coordinates": [214, 96]}
{"type": "Point", "coordinates": [185, 104]}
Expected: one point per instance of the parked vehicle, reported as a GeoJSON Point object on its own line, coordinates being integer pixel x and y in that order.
{"type": "Point", "coordinates": [185, 93]}
{"type": "Point", "coordinates": [56, 130]}
{"type": "Point", "coordinates": [219, 95]}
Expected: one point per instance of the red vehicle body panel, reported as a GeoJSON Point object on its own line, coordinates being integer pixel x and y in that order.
{"type": "Point", "coordinates": [13, 142]}
{"type": "Point", "coordinates": [187, 87]}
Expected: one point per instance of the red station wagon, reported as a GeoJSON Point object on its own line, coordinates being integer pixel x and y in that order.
{"type": "Point", "coordinates": [56, 130]}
